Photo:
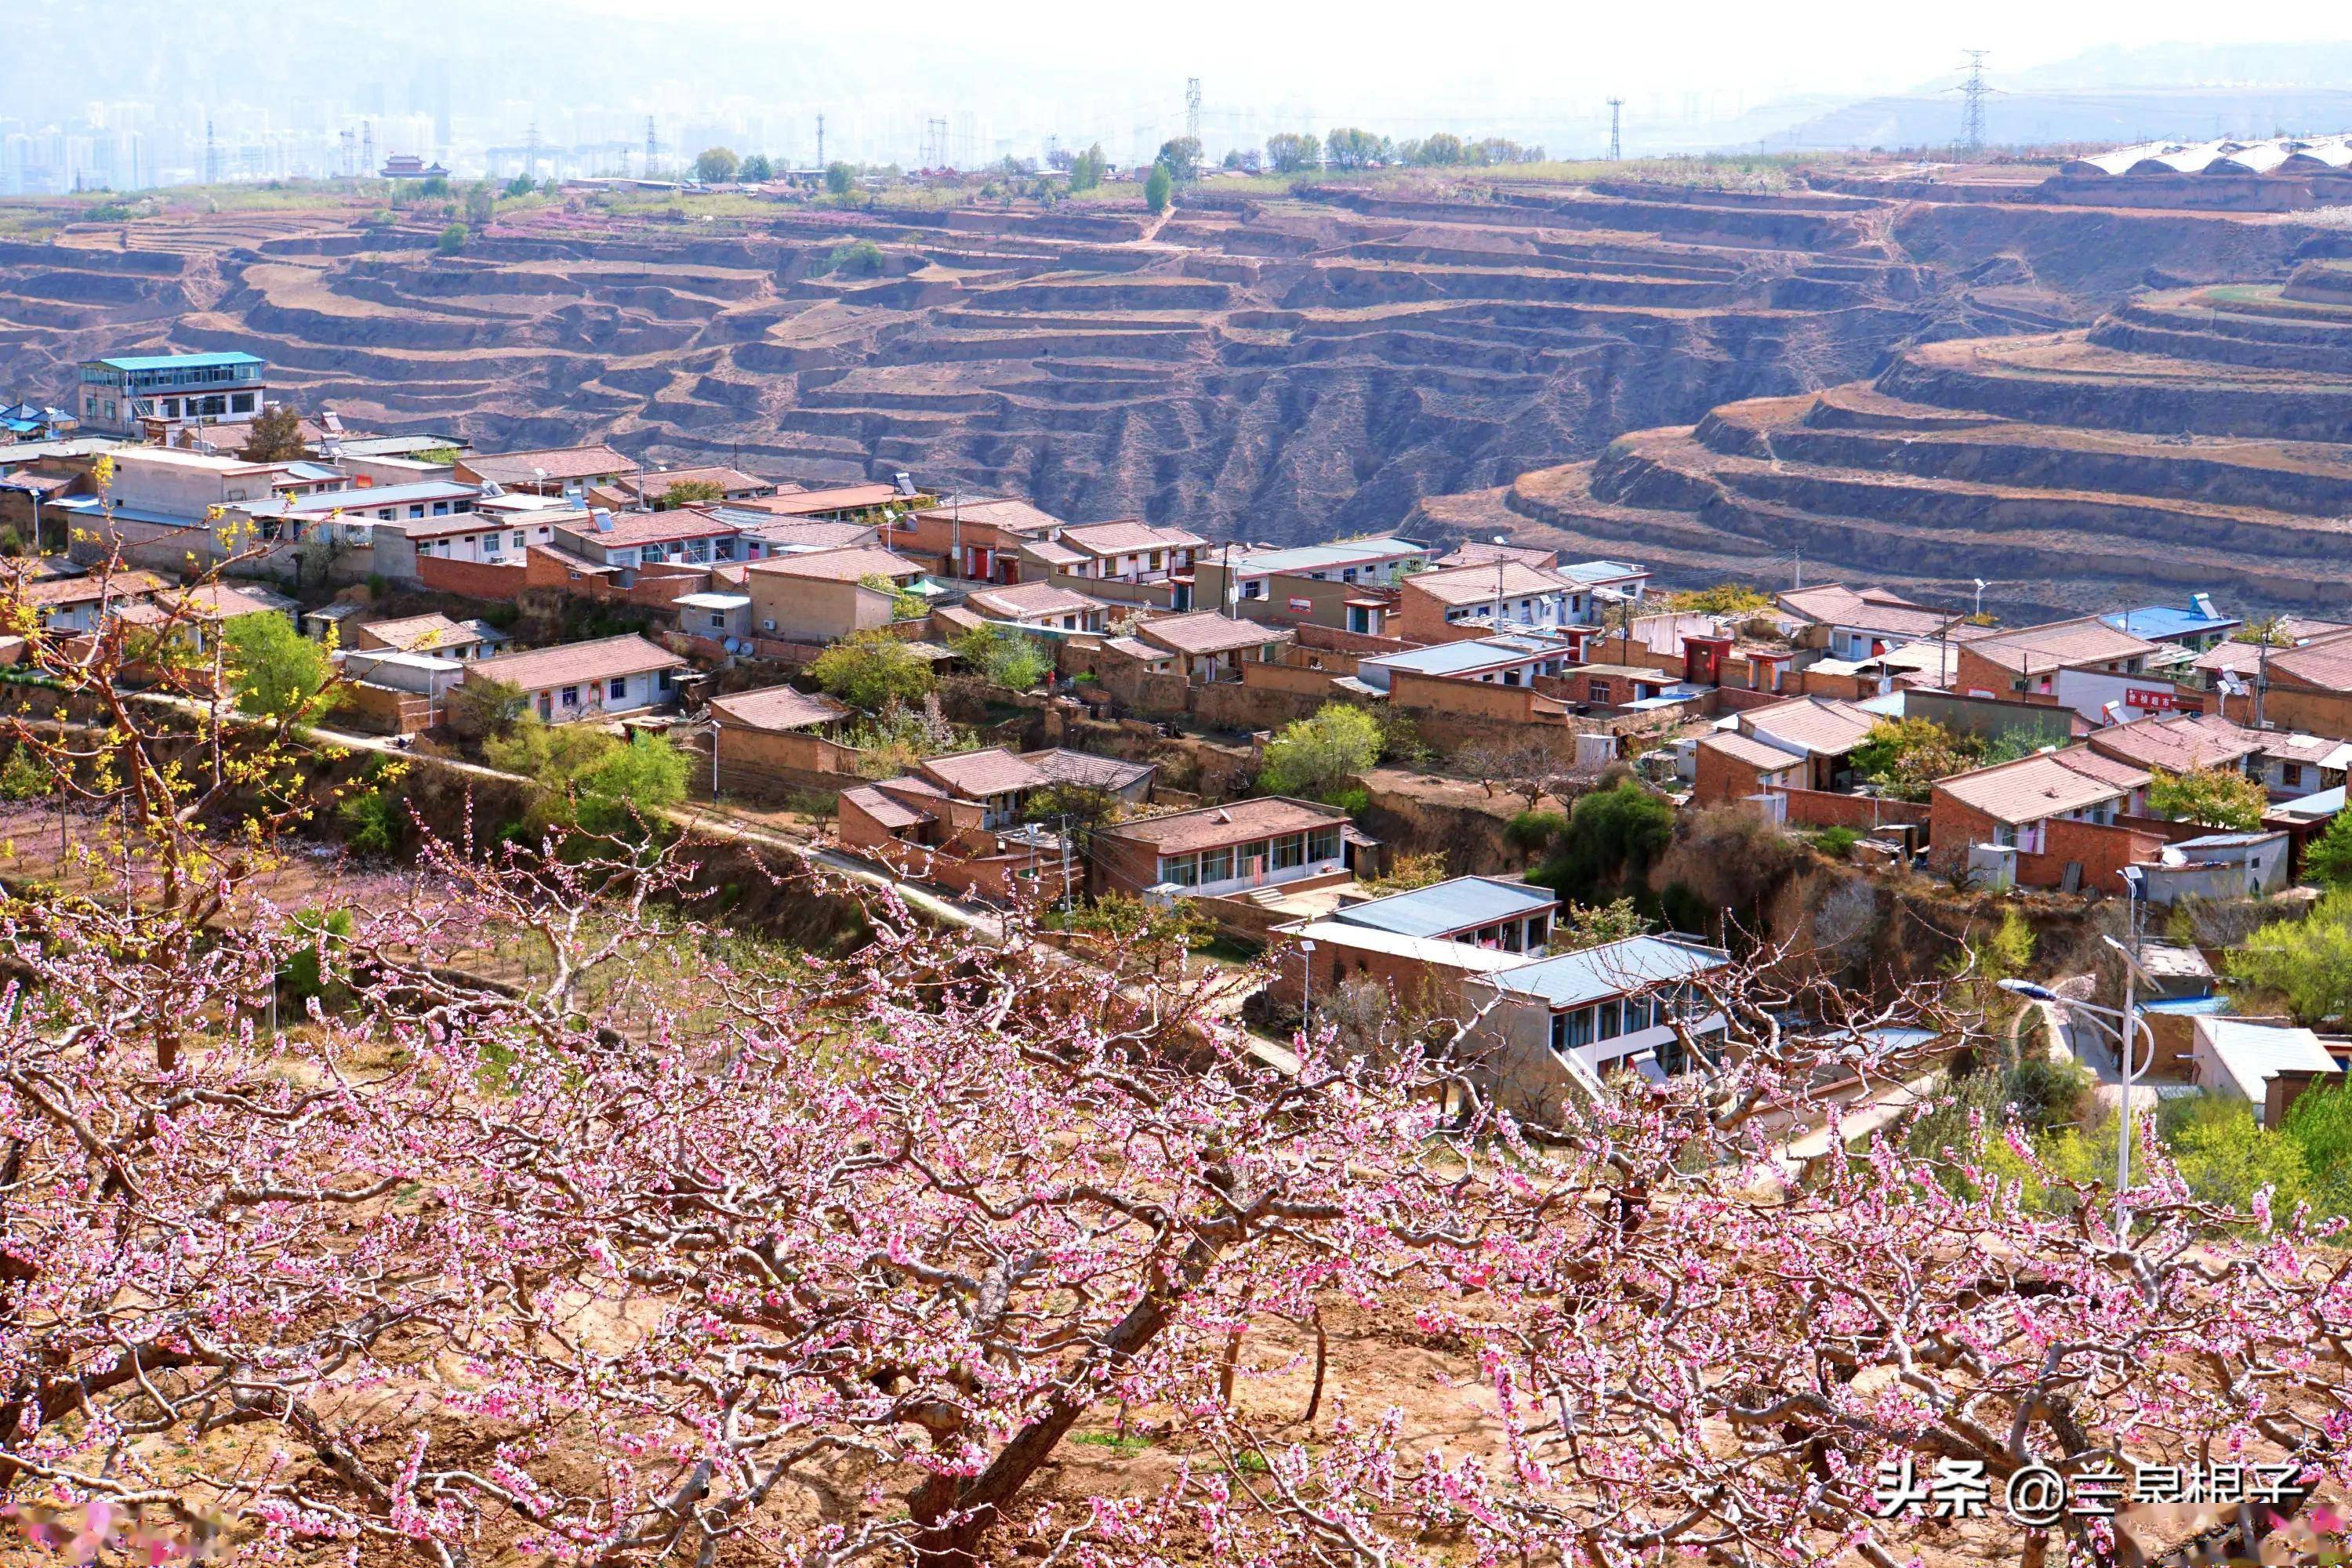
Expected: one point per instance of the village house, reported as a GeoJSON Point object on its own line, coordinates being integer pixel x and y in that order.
{"type": "Point", "coordinates": [1349, 584]}
{"type": "Point", "coordinates": [2181, 743]}
{"type": "Point", "coordinates": [765, 743]}
{"type": "Point", "coordinates": [762, 536]}
{"type": "Point", "coordinates": [2084, 664]}
{"type": "Point", "coordinates": [1418, 946]}
{"type": "Point", "coordinates": [2293, 765]}
{"type": "Point", "coordinates": [839, 503]}
{"type": "Point", "coordinates": [1475, 601]}
{"type": "Point", "coordinates": [1544, 1032]}
{"type": "Point", "coordinates": [124, 394]}
{"type": "Point", "coordinates": [652, 490]}
{"type": "Point", "coordinates": [568, 471]}
{"type": "Point", "coordinates": [626, 541]}
{"type": "Point", "coordinates": [434, 634]}
{"type": "Point", "coordinates": [601, 679]}
{"type": "Point", "coordinates": [822, 596]}
{"type": "Point", "coordinates": [2044, 821]}
{"type": "Point", "coordinates": [1134, 552]}
{"type": "Point", "coordinates": [977, 541]}
{"type": "Point", "coordinates": [2267, 1065]}
{"type": "Point", "coordinates": [1509, 659]}
{"type": "Point", "coordinates": [1823, 731]}
{"type": "Point", "coordinates": [2197, 625]}
{"type": "Point", "coordinates": [1733, 768]}
{"type": "Point", "coordinates": [75, 604]}
{"type": "Point", "coordinates": [1038, 606]}
{"type": "Point", "coordinates": [963, 820]}
{"type": "Point", "coordinates": [1859, 624]}
{"type": "Point", "coordinates": [2307, 686]}
{"type": "Point", "coordinates": [1215, 851]}
{"type": "Point", "coordinates": [1208, 647]}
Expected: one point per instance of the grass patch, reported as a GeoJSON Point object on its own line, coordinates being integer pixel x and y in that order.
{"type": "Point", "coordinates": [1226, 948]}
{"type": "Point", "coordinates": [1126, 1445]}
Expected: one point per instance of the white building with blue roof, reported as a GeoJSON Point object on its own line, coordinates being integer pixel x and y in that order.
{"type": "Point", "coordinates": [118, 392]}
{"type": "Point", "coordinates": [1623, 1006]}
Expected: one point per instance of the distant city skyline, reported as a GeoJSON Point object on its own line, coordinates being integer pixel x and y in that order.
{"type": "Point", "coordinates": [126, 96]}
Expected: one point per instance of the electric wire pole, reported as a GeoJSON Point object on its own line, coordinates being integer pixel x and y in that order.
{"type": "Point", "coordinates": [1616, 128]}
{"type": "Point", "coordinates": [1192, 109]}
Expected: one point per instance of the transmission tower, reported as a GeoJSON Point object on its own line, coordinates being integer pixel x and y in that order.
{"type": "Point", "coordinates": [653, 147]}
{"type": "Point", "coordinates": [531, 151]}
{"type": "Point", "coordinates": [935, 143]}
{"type": "Point", "coordinates": [367, 142]}
{"type": "Point", "coordinates": [1192, 109]}
{"type": "Point", "coordinates": [820, 140]}
{"type": "Point", "coordinates": [1973, 93]}
{"type": "Point", "coordinates": [212, 155]}
{"type": "Point", "coordinates": [1616, 129]}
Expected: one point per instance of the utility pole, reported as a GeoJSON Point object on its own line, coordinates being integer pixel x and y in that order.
{"type": "Point", "coordinates": [1616, 130]}
{"type": "Point", "coordinates": [1973, 93]}
{"type": "Point", "coordinates": [1192, 109]}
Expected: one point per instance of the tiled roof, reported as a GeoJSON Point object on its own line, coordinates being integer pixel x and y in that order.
{"type": "Point", "coordinates": [2032, 788]}
{"type": "Point", "coordinates": [1822, 726]}
{"type": "Point", "coordinates": [421, 633]}
{"type": "Point", "coordinates": [46, 592]}
{"type": "Point", "coordinates": [1128, 538]}
{"type": "Point", "coordinates": [1205, 631]}
{"type": "Point", "coordinates": [1473, 554]}
{"type": "Point", "coordinates": [976, 776]}
{"type": "Point", "coordinates": [1869, 610]}
{"type": "Point", "coordinates": [2326, 663]}
{"type": "Point", "coordinates": [560, 463]}
{"type": "Point", "coordinates": [1086, 769]}
{"type": "Point", "coordinates": [655, 486]}
{"type": "Point", "coordinates": [1241, 822]}
{"type": "Point", "coordinates": [2115, 771]}
{"type": "Point", "coordinates": [2061, 644]}
{"type": "Point", "coordinates": [882, 808]}
{"type": "Point", "coordinates": [1135, 647]}
{"type": "Point", "coordinates": [572, 663]}
{"type": "Point", "coordinates": [631, 529]}
{"type": "Point", "coordinates": [807, 503]}
{"type": "Point", "coordinates": [1338, 555]}
{"type": "Point", "coordinates": [2176, 744]}
{"type": "Point", "coordinates": [1025, 601]}
{"type": "Point", "coordinates": [797, 533]}
{"type": "Point", "coordinates": [1010, 516]}
{"type": "Point", "coordinates": [1476, 585]}
{"type": "Point", "coordinates": [1046, 552]}
{"type": "Point", "coordinates": [220, 601]}
{"type": "Point", "coordinates": [845, 565]}
{"type": "Point", "coordinates": [779, 707]}
{"type": "Point", "coordinates": [1750, 751]}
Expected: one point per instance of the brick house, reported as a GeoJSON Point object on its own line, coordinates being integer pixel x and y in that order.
{"type": "Point", "coordinates": [1734, 767]}
{"type": "Point", "coordinates": [1473, 601]}
{"type": "Point", "coordinates": [2055, 813]}
{"type": "Point", "coordinates": [626, 541]}
{"type": "Point", "coordinates": [434, 633]}
{"type": "Point", "coordinates": [767, 742]}
{"type": "Point", "coordinates": [1218, 850]}
{"type": "Point", "coordinates": [1546, 1030]}
{"type": "Point", "coordinates": [1860, 624]}
{"type": "Point", "coordinates": [962, 821]}
{"type": "Point", "coordinates": [2084, 664]}
{"type": "Point", "coordinates": [652, 490]}
{"type": "Point", "coordinates": [550, 471]}
{"type": "Point", "coordinates": [1349, 584]}
{"type": "Point", "coordinates": [2307, 686]}
{"type": "Point", "coordinates": [1038, 606]}
{"type": "Point", "coordinates": [1134, 552]}
{"type": "Point", "coordinates": [822, 596]}
{"type": "Point", "coordinates": [977, 541]}
{"type": "Point", "coordinates": [1208, 647]}
{"type": "Point", "coordinates": [598, 679]}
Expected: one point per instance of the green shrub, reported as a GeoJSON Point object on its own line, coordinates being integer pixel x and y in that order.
{"type": "Point", "coordinates": [1314, 758]}
{"type": "Point", "coordinates": [1837, 841]}
{"type": "Point", "coordinates": [371, 823]}
{"type": "Point", "coordinates": [858, 259]}
{"type": "Point", "coordinates": [1614, 835]}
{"type": "Point", "coordinates": [1533, 832]}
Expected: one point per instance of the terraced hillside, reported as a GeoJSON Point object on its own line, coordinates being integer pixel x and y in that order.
{"type": "Point", "coordinates": [2191, 439]}
{"type": "Point", "coordinates": [1272, 370]}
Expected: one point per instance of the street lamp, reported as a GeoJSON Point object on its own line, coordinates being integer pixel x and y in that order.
{"type": "Point", "coordinates": [1307, 985]}
{"type": "Point", "coordinates": [1500, 539]}
{"type": "Point", "coordinates": [1981, 586]}
{"type": "Point", "coordinates": [2133, 1027]}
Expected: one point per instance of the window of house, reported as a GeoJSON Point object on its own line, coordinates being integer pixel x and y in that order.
{"type": "Point", "coordinates": [1612, 1021]}
{"type": "Point", "coordinates": [1289, 851]}
{"type": "Point", "coordinates": [1638, 1014]}
{"type": "Point", "coordinates": [718, 619]}
{"type": "Point", "coordinates": [440, 509]}
{"type": "Point", "coordinates": [416, 510]}
{"type": "Point", "coordinates": [569, 697]}
{"type": "Point", "coordinates": [1600, 692]}
{"type": "Point", "coordinates": [1184, 870]}
{"type": "Point", "coordinates": [618, 690]}
{"type": "Point", "coordinates": [663, 680]}
{"type": "Point", "coordinates": [1216, 865]}
{"type": "Point", "coordinates": [2290, 776]}
{"type": "Point", "coordinates": [518, 540]}
{"type": "Point", "coordinates": [1579, 1027]}
{"type": "Point", "coordinates": [1323, 844]}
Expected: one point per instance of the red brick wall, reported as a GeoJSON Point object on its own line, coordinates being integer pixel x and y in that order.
{"type": "Point", "coordinates": [474, 579]}
{"type": "Point", "coordinates": [2328, 713]}
{"type": "Point", "coordinates": [1740, 699]}
{"type": "Point", "coordinates": [1311, 636]}
{"type": "Point", "coordinates": [1417, 986]}
{"type": "Point", "coordinates": [1723, 779]}
{"type": "Point", "coordinates": [2103, 852]}
{"type": "Point", "coordinates": [1820, 808]}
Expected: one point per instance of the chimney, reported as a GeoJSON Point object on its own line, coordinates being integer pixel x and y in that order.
{"type": "Point", "coordinates": [604, 520]}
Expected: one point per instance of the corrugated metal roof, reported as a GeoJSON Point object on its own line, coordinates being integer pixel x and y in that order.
{"type": "Point", "coordinates": [1463, 904]}
{"type": "Point", "coordinates": [1324, 557]}
{"type": "Point", "coordinates": [1612, 969]}
{"type": "Point", "coordinates": [178, 362]}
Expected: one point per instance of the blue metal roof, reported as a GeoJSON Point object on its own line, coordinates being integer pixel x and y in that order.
{"type": "Point", "coordinates": [2189, 1007]}
{"type": "Point", "coordinates": [2159, 622]}
{"type": "Point", "coordinates": [1601, 571]}
{"type": "Point", "coordinates": [1462, 904]}
{"type": "Point", "coordinates": [1613, 969]}
{"type": "Point", "coordinates": [371, 497]}
{"type": "Point", "coordinates": [178, 362]}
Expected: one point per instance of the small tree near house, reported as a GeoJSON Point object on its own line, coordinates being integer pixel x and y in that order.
{"type": "Point", "coordinates": [2217, 797]}
{"type": "Point", "coordinates": [274, 436]}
